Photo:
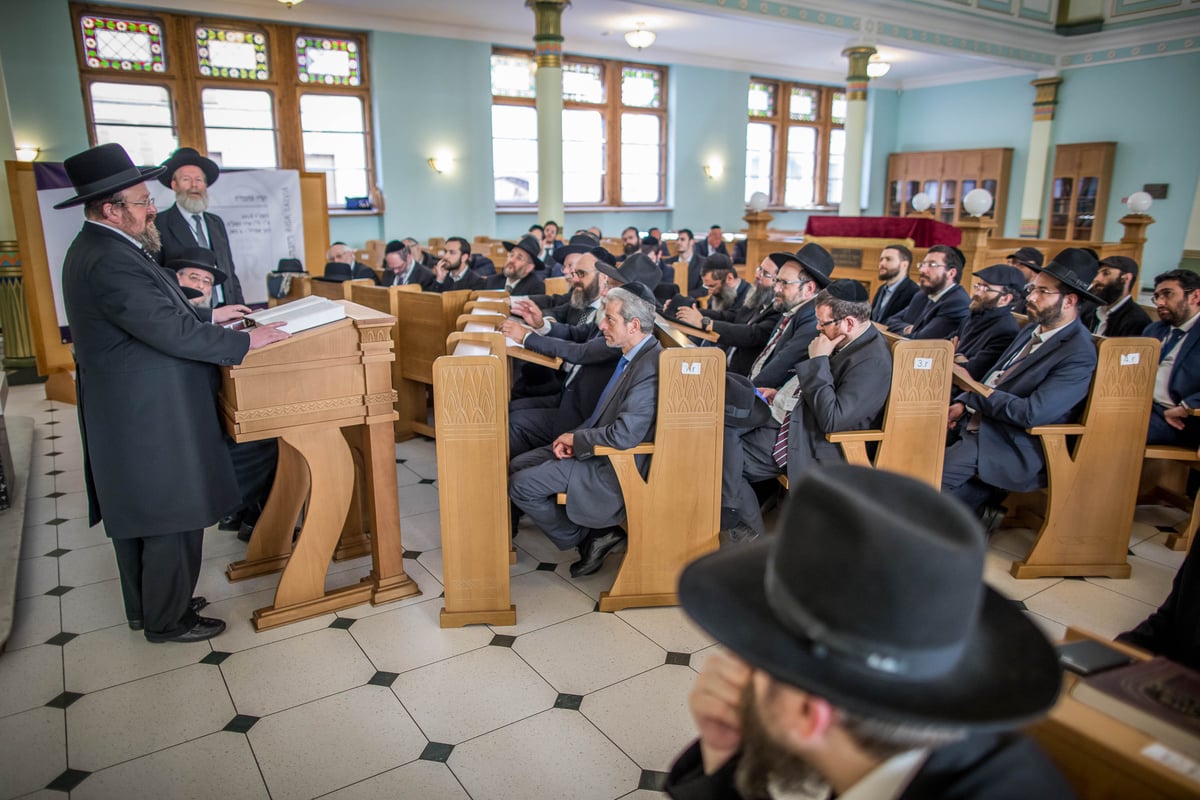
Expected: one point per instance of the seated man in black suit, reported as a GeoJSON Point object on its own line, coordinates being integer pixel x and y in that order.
{"type": "Point", "coordinates": [453, 270]}
{"type": "Point", "coordinates": [942, 305]}
{"type": "Point", "coordinates": [400, 268]}
{"type": "Point", "coordinates": [988, 329]}
{"type": "Point", "coordinates": [800, 278]}
{"type": "Point", "coordinates": [1177, 387]}
{"type": "Point", "coordinates": [714, 243]}
{"type": "Point", "coordinates": [841, 385]}
{"type": "Point", "coordinates": [857, 664]}
{"type": "Point", "coordinates": [1115, 283]}
{"type": "Point", "coordinates": [623, 418]}
{"type": "Point", "coordinates": [687, 258]}
{"type": "Point", "coordinates": [1041, 379]}
{"type": "Point", "coordinates": [726, 289]}
{"type": "Point", "coordinates": [517, 277]}
{"type": "Point", "coordinates": [631, 241]}
{"type": "Point", "coordinates": [898, 289]}
{"type": "Point", "coordinates": [342, 253]}
{"type": "Point", "coordinates": [1172, 630]}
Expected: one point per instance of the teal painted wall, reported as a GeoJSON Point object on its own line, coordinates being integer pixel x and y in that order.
{"type": "Point", "coordinates": [41, 75]}
{"type": "Point", "coordinates": [994, 113]}
{"type": "Point", "coordinates": [1151, 109]}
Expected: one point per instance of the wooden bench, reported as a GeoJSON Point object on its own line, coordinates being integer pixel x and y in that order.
{"type": "Point", "coordinates": [331, 290]}
{"type": "Point", "coordinates": [1086, 511]}
{"type": "Point", "coordinates": [1164, 480]}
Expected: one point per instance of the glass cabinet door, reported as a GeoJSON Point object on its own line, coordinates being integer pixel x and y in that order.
{"type": "Point", "coordinates": [1060, 208]}
{"type": "Point", "coordinates": [948, 207]}
{"type": "Point", "coordinates": [1085, 208]}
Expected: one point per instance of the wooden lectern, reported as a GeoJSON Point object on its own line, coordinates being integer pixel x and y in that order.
{"type": "Point", "coordinates": [319, 392]}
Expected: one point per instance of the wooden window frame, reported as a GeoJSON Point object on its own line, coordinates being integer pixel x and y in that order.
{"type": "Point", "coordinates": [611, 110]}
{"type": "Point", "coordinates": [780, 121]}
{"type": "Point", "coordinates": [183, 80]}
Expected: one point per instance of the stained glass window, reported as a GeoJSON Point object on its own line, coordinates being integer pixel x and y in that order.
{"type": "Point", "coordinates": [512, 75]}
{"type": "Point", "coordinates": [225, 53]}
{"type": "Point", "coordinates": [762, 99]}
{"type": "Point", "coordinates": [839, 108]}
{"type": "Point", "coordinates": [641, 87]}
{"type": "Point", "coordinates": [329, 62]}
{"type": "Point", "coordinates": [583, 83]}
{"type": "Point", "coordinates": [805, 104]}
{"type": "Point", "coordinates": [127, 45]}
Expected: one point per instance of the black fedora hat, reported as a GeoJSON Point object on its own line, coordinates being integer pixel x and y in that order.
{"type": "Point", "coordinates": [289, 265]}
{"type": "Point", "coordinates": [1081, 261]}
{"type": "Point", "coordinates": [185, 156]}
{"type": "Point", "coordinates": [744, 408]}
{"type": "Point", "coordinates": [638, 267]}
{"type": "Point", "coordinates": [200, 258]}
{"type": "Point", "coordinates": [579, 243]}
{"type": "Point", "coordinates": [530, 246]}
{"type": "Point", "coordinates": [103, 170]}
{"type": "Point", "coordinates": [603, 255]}
{"type": "Point", "coordinates": [336, 272]}
{"type": "Point", "coordinates": [1071, 281]}
{"type": "Point", "coordinates": [815, 260]}
{"type": "Point", "coordinates": [871, 595]}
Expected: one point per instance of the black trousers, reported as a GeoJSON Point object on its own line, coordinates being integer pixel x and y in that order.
{"type": "Point", "coordinates": [158, 576]}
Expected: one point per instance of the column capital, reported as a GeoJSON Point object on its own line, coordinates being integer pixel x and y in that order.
{"type": "Point", "coordinates": [1046, 99]}
{"type": "Point", "coordinates": [857, 78]}
{"type": "Point", "coordinates": [548, 37]}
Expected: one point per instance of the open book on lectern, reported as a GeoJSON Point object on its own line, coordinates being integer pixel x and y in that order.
{"type": "Point", "coordinates": [300, 315]}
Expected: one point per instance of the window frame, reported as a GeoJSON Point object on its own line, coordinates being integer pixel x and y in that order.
{"type": "Point", "coordinates": [183, 81]}
{"type": "Point", "coordinates": [610, 110]}
{"type": "Point", "coordinates": [780, 123]}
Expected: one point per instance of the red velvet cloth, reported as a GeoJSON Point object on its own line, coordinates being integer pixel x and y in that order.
{"type": "Point", "coordinates": [923, 231]}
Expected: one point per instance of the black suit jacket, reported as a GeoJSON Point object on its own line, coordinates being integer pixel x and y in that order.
{"type": "Point", "coordinates": [155, 461]}
{"type": "Point", "coordinates": [983, 337]}
{"type": "Point", "coordinates": [1003, 766]}
{"type": "Point", "coordinates": [469, 280]}
{"type": "Point", "coordinates": [701, 248]}
{"type": "Point", "coordinates": [745, 337]}
{"type": "Point", "coordinates": [1128, 320]}
{"type": "Point", "coordinates": [790, 350]}
{"type": "Point", "coordinates": [941, 319]}
{"type": "Point", "coordinates": [418, 274]}
{"type": "Point", "coordinates": [177, 234]}
{"type": "Point", "coordinates": [901, 296]}
{"type": "Point", "coordinates": [529, 285]}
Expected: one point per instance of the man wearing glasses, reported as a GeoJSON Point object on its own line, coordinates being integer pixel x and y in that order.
{"type": "Point", "coordinates": [942, 305]}
{"type": "Point", "coordinates": [188, 224]}
{"type": "Point", "coordinates": [801, 275]}
{"type": "Point", "coordinates": [1042, 378]}
{"type": "Point", "coordinates": [990, 326]}
{"type": "Point", "coordinates": [841, 384]}
{"type": "Point", "coordinates": [744, 336]}
{"type": "Point", "coordinates": [1177, 387]}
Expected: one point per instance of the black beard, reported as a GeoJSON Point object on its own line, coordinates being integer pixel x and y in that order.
{"type": "Point", "coordinates": [764, 764]}
{"type": "Point", "coordinates": [1109, 292]}
{"type": "Point", "coordinates": [583, 296]}
{"type": "Point", "coordinates": [630, 249]}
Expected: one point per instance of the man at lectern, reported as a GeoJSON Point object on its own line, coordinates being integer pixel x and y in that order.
{"type": "Point", "coordinates": [156, 468]}
{"type": "Point", "coordinates": [188, 223]}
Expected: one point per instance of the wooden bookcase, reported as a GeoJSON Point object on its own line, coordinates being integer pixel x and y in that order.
{"type": "Point", "coordinates": [1079, 189]}
{"type": "Point", "coordinates": [947, 176]}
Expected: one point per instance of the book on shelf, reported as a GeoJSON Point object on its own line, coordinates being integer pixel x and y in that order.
{"type": "Point", "coordinates": [1157, 697]}
{"type": "Point", "coordinates": [300, 315]}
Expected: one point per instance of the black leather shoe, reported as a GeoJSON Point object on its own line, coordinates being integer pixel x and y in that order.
{"type": "Point", "coordinates": [245, 532]}
{"type": "Point", "coordinates": [204, 628]}
{"type": "Point", "coordinates": [194, 605]}
{"type": "Point", "coordinates": [992, 517]}
{"type": "Point", "coordinates": [230, 522]}
{"type": "Point", "coordinates": [597, 546]}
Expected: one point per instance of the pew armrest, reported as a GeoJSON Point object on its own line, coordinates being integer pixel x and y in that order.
{"type": "Point", "coordinates": [855, 436]}
{"type": "Point", "coordinates": [640, 450]}
{"type": "Point", "coordinates": [1057, 430]}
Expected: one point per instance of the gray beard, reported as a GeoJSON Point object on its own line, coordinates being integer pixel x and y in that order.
{"type": "Point", "coordinates": [758, 296]}
{"type": "Point", "coordinates": [202, 302]}
{"type": "Point", "coordinates": [723, 299]}
{"type": "Point", "coordinates": [197, 206]}
{"type": "Point", "coordinates": [582, 298]}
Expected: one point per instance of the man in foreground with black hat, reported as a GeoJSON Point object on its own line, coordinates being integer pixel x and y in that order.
{"type": "Point", "coordinates": [517, 277]}
{"type": "Point", "coordinates": [990, 325]}
{"type": "Point", "coordinates": [1115, 283]}
{"type": "Point", "coordinates": [623, 418]}
{"type": "Point", "coordinates": [867, 657]}
{"type": "Point", "coordinates": [157, 469]}
{"type": "Point", "coordinates": [841, 385]}
{"type": "Point", "coordinates": [188, 224]}
{"type": "Point", "coordinates": [1041, 379]}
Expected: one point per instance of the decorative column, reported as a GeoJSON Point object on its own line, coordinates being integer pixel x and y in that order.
{"type": "Point", "coordinates": [757, 245]}
{"type": "Point", "coordinates": [1033, 200]}
{"type": "Point", "coordinates": [548, 40]}
{"type": "Point", "coordinates": [856, 129]}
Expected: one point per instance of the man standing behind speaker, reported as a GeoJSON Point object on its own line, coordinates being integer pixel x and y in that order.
{"type": "Point", "coordinates": [188, 223]}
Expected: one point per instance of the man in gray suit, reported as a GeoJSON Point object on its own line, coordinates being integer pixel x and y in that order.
{"type": "Point", "coordinates": [842, 385]}
{"type": "Point", "coordinates": [623, 418]}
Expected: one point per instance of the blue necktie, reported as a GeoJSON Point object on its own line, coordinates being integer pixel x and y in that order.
{"type": "Point", "coordinates": [1169, 345]}
{"type": "Point", "coordinates": [608, 387]}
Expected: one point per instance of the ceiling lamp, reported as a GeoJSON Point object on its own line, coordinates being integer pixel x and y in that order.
{"type": "Point", "coordinates": [877, 67]}
{"type": "Point", "coordinates": [640, 38]}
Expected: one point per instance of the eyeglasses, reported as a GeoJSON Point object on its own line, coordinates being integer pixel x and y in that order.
{"type": "Point", "coordinates": [1042, 290]}
{"type": "Point", "coordinates": [1167, 294]}
{"type": "Point", "coordinates": [577, 273]}
{"type": "Point", "coordinates": [822, 325]}
{"type": "Point", "coordinates": [797, 282]}
{"type": "Point", "coordinates": [931, 264]}
{"type": "Point", "coordinates": [148, 202]}
{"type": "Point", "coordinates": [983, 287]}
{"type": "Point", "coordinates": [759, 270]}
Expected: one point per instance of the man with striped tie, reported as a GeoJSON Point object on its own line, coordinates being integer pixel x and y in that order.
{"type": "Point", "coordinates": [188, 224]}
{"type": "Point", "coordinates": [1177, 387]}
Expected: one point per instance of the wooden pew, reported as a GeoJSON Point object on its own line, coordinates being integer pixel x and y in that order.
{"type": "Point", "coordinates": [300, 286]}
{"type": "Point", "coordinates": [335, 291]}
{"type": "Point", "coordinates": [558, 285]}
{"type": "Point", "coordinates": [1087, 509]}
{"type": "Point", "coordinates": [673, 515]}
{"type": "Point", "coordinates": [1165, 474]}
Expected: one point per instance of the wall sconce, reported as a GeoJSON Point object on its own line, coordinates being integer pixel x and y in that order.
{"type": "Point", "coordinates": [714, 169]}
{"type": "Point", "coordinates": [441, 163]}
{"type": "Point", "coordinates": [28, 152]}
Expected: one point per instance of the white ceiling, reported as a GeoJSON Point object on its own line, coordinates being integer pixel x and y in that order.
{"type": "Point", "coordinates": [696, 33]}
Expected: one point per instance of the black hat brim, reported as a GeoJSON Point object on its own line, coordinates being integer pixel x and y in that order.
{"type": "Point", "coordinates": [820, 278]}
{"type": "Point", "coordinates": [1083, 293]}
{"type": "Point", "coordinates": [116, 184]}
{"type": "Point", "coordinates": [1008, 674]}
{"type": "Point", "coordinates": [209, 167]}
{"type": "Point", "coordinates": [177, 264]}
{"type": "Point", "coordinates": [537, 262]}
